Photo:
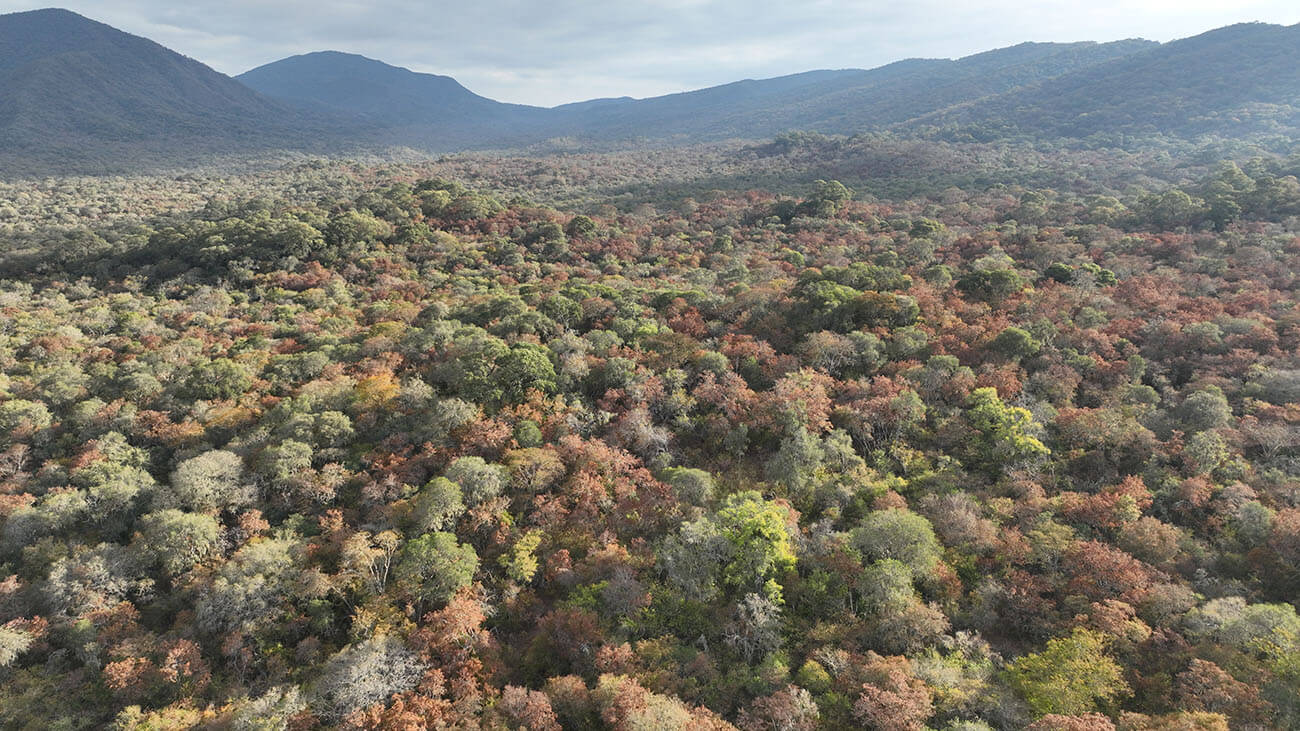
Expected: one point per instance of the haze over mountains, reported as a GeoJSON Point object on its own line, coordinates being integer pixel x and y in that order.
{"type": "Point", "coordinates": [77, 89]}
{"type": "Point", "coordinates": [90, 97]}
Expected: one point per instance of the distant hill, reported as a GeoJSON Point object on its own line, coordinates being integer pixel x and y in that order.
{"type": "Point", "coordinates": [843, 102]}
{"type": "Point", "coordinates": [412, 108]}
{"type": "Point", "coordinates": [1239, 80]}
{"type": "Point", "coordinates": [424, 109]}
{"type": "Point", "coordinates": [79, 93]}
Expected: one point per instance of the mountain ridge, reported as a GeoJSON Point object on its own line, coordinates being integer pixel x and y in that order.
{"type": "Point", "coordinates": [80, 94]}
{"type": "Point", "coordinates": [75, 90]}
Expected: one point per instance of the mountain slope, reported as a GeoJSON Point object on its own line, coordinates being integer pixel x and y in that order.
{"type": "Point", "coordinates": [844, 101]}
{"type": "Point", "coordinates": [78, 95]}
{"type": "Point", "coordinates": [370, 88]}
{"type": "Point", "coordinates": [73, 89]}
{"type": "Point", "coordinates": [1242, 79]}
{"type": "Point", "coordinates": [411, 108]}
{"type": "Point", "coordinates": [424, 109]}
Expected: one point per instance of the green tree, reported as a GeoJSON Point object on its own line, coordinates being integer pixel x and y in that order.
{"type": "Point", "coordinates": [1060, 272]}
{"type": "Point", "coordinates": [744, 547]}
{"type": "Point", "coordinates": [1016, 344]}
{"type": "Point", "coordinates": [797, 461]}
{"type": "Point", "coordinates": [886, 587]}
{"type": "Point", "coordinates": [827, 199]}
{"type": "Point", "coordinates": [434, 566]}
{"type": "Point", "coordinates": [525, 368]}
{"type": "Point", "coordinates": [1205, 409]}
{"type": "Point", "coordinates": [251, 588]}
{"type": "Point", "coordinates": [901, 535]}
{"type": "Point", "coordinates": [580, 227]}
{"type": "Point", "coordinates": [1072, 676]}
{"type": "Point", "coordinates": [21, 419]}
{"type": "Point", "coordinates": [285, 463]}
{"type": "Point", "coordinates": [478, 480]}
{"type": "Point", "coordinates": [176, 540]}
{"type": "Point", "coordinates": [520, 562]}
{"type": "Point", "coordinates": [437, 506]}
{"type": "Point", "coordinates": [1000, 438]}
{"type": "Point", "coordinates": [926, 228]}
{"type": "Point", "coordinates": [218, 379]}
{"type": "Point", "coordinates": [993, 285]}
{"type": "Point", "coordinates": [691, 486]}
{"type": "Point", "coordinates": [351, 228]}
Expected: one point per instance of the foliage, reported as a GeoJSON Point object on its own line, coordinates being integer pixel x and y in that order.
{"type": "Point", "coordinates": [1072, 676]}
{"type": "Point", "coordinates": [389, 451]}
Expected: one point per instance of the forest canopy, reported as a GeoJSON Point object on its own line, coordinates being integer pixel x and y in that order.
{"type": "Point", "coordinates": [392, 449]}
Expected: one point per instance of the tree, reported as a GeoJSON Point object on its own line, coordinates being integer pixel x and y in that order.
{"type": "Point", "coordinates": [755, 629]}
{"type": "Point", "coordinates": [790, 709]}
{"type": "Point", "coordinates": [1172, 209]}
{"type": "Point", "coordinates": [1060, 272]}
{"type": "Point", "coordinates": [525, 368]}
{"type": "Point", "coordinates": [177, 540]}
{"type": "Point", "coordinates": [691, 486]}
{"type": "Point", "coordinates": [894, 698]}
{"type": "Point", "coordinates": [94, 579]}
{"type": "Point", "coordinates": [434, 567]}
{"type": "Point", "coordinates": [796, 462]}
{"type": "Point", "coordinates": [580, 227]}
{"type": "Point", "coordinates": [1204, 686]}
{"type": "Point", "coordinates": [209, 482]}
{"type": "Point", "coordinates": [1203, 410]}
{"type": "Point", "coordinates": [926, 228]}
{"type": "Point", "coordinates": [745, 547]}
{"type": "Point", "coordinates": [1084, 722]}
{"type": "Point", "coordinates": [286, 463]}
{"type": "Point", "coordinates": [250, 589]}
{"type": "Point", "coordinates": [437, 506]}
{"type": "Point", "coordinates": [528, 709]}
{"type": "Point", "coordinates": [21, 419]}
{"type": "Point", "coordinates": [886, 587]}
{"type": "Point", "coordinates": [14, 641]}
{"type": "Point", "coordinates": [1001, 438]}
{"type": "Point", "coordinates": [1016, 344]}
{"type": "Point", "coordinates": [366, 560]}
{"type": "Point", "coordinates": [478, 480]}
{"type": "Point", "coordinates": [220, 378]}
{"type": "Point", "coordinates": [828, 197]}
{"type": "Point", "coordinates": [270, 711]}
{"type": "Point", "coordinates": [992, 285]}
{"type": "Point", "coordinates": [520, 562]}
{"type": "Point", "coordinates": [363, 674]}
{"type": "Point", "coordinates": [1072, 676]}
{"type": "Point", "coordinates": [900, 535]}
{"type": "Point", "coordinates": [350, 228]}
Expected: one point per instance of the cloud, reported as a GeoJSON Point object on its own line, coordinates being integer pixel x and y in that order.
{"type": "Point", "coordinates": [565, 50]}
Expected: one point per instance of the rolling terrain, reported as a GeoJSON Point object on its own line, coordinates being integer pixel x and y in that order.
{"type": "Point", "coordinates": [80, 96]}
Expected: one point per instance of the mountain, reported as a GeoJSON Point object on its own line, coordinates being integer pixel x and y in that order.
{"type": "Point", "coordinates": [412, 108]}
{"type": "Point", "coordinates": [78, 95]}
{"type": "Point", "coordinates": [1239, 80]}
{"type": "Point", "coordinates": [425, 109]}
{"type": "Point", "coordinates": [846, 101]}
{"type": "Point", "coordinates": [79, 92]}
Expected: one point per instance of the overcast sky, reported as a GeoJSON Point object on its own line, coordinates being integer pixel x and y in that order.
{"type": "Point", "coordinates": [554, 51]}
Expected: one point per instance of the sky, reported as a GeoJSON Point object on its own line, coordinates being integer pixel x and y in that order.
{"type": "Point", "coordinates": [549, 52]}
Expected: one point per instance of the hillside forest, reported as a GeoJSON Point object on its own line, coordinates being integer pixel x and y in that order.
{"type": "Point", "coordinates": [822, 433]}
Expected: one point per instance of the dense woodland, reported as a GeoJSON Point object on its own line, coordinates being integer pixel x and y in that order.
{"type": "Point", "coordinates": [367, 447]}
